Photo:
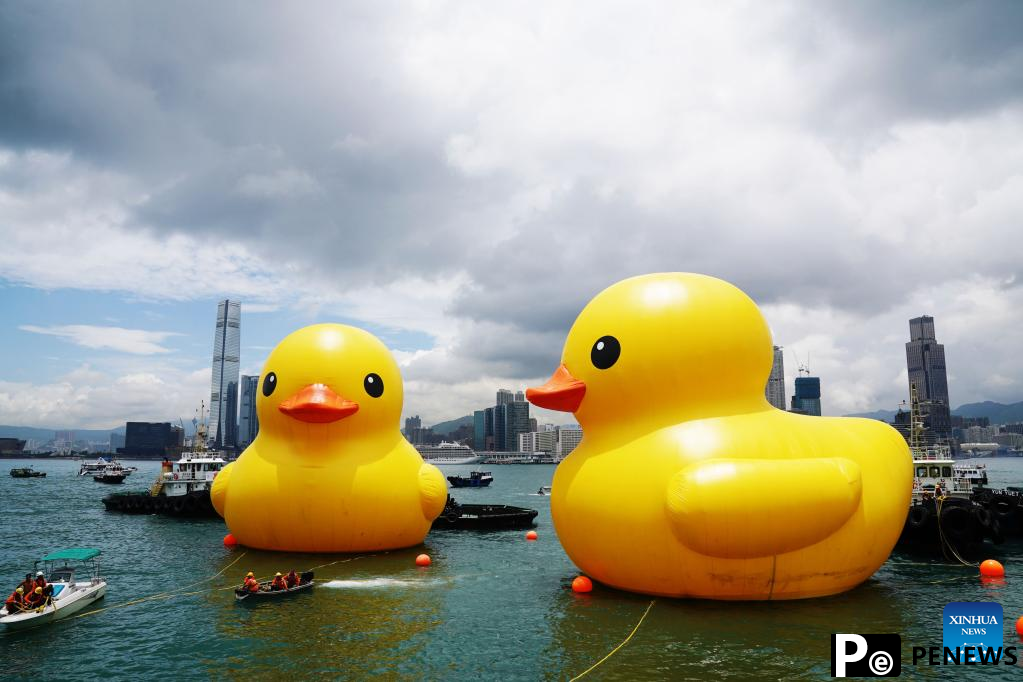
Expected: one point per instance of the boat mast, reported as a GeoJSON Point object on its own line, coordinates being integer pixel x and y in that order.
{"type": "Point", "coordinates": [916, 423]}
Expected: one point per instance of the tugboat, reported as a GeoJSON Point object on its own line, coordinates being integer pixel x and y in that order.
{"type": "Point", "coordinates": [482, 517]}
{"type": "Point", "coordinates": [27, 472]}
{"type": "Point", "coordinates": [182, 488]}
{"type": "Point", "coordinates": [942, 514]}
{"type": "Point", "coordinates": [475, 479]}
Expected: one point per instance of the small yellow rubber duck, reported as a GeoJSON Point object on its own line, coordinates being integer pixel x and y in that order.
{"type": "Point", "coordinates": [687, 482]}
{"type": "Point", "coordinates": [329, 470]}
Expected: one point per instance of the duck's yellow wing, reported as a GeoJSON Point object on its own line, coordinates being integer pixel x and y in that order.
{"type": "Point", "coordinates": [218, 491]}
{"type": "Point", "coordinates": [433, 491]}
{"type": "Point", "coordinates": [746, 508]}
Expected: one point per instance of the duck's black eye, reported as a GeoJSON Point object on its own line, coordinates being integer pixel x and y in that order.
{"type": "Point", "coordinates": [374, 385]}
{"type": "Point", "coordinates": [605, 352]}
{"type": "Point", "coordinates": [269, 384]}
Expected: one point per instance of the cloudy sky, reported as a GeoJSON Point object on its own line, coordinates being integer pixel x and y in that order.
{"type": "Point", "coordinates": [460, 178]}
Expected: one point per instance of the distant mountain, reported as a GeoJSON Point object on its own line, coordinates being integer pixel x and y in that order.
{"type": "Point", "coordinates": [998, 413]}
{"type": "Point", "coordinates": [445, 428]}
{"type": "Point", "coordinates": [32, 433]}
{"type": "Point", "coordinates": [883, 415]}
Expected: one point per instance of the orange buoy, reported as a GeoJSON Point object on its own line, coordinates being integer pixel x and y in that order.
{"type": "Point", "coordinates": [423, 560]}
{"type": "Point", "coordinates": [582, 584]}
{"type": "Point", "coordinates": [229, 540]}
{"type": "Point", "coordinates": [531, 535]}
{"type": "Point", "coordinates": [1019, 626]}
{"type": "Point", "coordinates": [992, 569]}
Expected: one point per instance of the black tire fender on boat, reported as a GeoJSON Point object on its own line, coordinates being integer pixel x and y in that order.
{"type": "Point", "coordinates": [178, 505]}
{"type": "Point", "coordinates": [190, 504]}
{"type": "Point", "coordinates": [451, 516]}
{"type": "Point", "coordinates": [918, 517]}
{"type": "Point", "coordinates": [956, 522]}
{"type": "Point", "coordinates": [995, 532]}
{"type": "Point", "coordinates": [1004, 506]}
{"type": "Point", "coordinates": [983, 516]}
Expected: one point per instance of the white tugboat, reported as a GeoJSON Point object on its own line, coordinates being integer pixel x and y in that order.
{"type": "Point", "coordinates": [182, 488]}
{"type": "Point", "coordinates": [66, 593]}
{"type": "Point", "coordinates": [942, 513]}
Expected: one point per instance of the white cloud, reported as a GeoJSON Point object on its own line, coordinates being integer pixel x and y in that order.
{"type": "Point", "coordinates": [134, 341]}
{"type": "Point", "coordinates": [86, 398]}
{"type": "Point", "coordinates": [477, 174]}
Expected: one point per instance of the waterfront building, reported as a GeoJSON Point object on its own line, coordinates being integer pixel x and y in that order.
{"type": "Point", "coordinates": [504, 396]}
{"type": "Point", "coordinates": [479, 430]}
{"type": "Point", "coordinates": [516, 422]}
{"type": "Point", "coordinates": [227, 341]}
{"type": "Point", "coordinates": [775, 389]}
{"type": "Point", "coordinates": [538, 441]}
{"type": "Point", "coordinates": [520, 397]}
{"type": "Point", "coordinates": [489, 422]}
{"type": "Point", "coordinates": [248, 421]}
{"type": "Point", "coordinates": [568, 440]}
{"type": "Point", "coordinates": [412, 423]}
{"type": "Point", "coordinates": [116, 441]}
{"type": "Point", "coordinates": [152, 440]}
{"type": "Point", "coordinates": [925, 361]}
{"type": "Point", "coordinates": [533, 424]}
{"type": "Point", "coordinates": [807, 398]}
{"type": "Point", "coordinates": [11, 446]}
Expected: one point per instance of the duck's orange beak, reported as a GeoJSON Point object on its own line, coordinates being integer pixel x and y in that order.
{"type": "Point", "coordinates": [562, 392]}
{"type": "Point", "coordinates": [317, 404]}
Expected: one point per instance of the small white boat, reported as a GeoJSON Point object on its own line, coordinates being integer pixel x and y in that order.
{"type": "Point", "coordinates": [69, 595]}
{"type": "Point", "coordinates": [101, 466]}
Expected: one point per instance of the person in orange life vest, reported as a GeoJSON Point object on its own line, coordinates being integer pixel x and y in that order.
{"type": "Point", "coordinates": [41, 582]}
{"type": "Point", "coordinates": [36, 598]}
{"type": "Point", "coordinates": [16, 601]}
{"type": "Point", "coordinates": [250, 583]}
{"type": "Point", "coordinates": [28, 584]}
{"type": "Point", "coordinates": [278, 583]}
{"type": "Point", "coordinates": [291, 579]}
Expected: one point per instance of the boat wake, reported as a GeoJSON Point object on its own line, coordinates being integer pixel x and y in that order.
{"type": "Point", "coordinates": [377, 583]}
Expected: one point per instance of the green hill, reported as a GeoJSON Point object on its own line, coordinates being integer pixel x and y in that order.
{"type": "Point", "coordinates": [444, 428]}
{"type": "Point", "coordinates": [33, 433]}
{"type": "Point", "coordinates": [998, 413]}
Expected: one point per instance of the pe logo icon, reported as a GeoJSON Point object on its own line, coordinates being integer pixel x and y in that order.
{"type": "Point", "coordinates": [866, 655]}
{"type": "Point", "coordinates": [973, 627]}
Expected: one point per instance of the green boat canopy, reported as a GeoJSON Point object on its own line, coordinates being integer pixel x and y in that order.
{"type": "Point", "coordinates": [72, 554]}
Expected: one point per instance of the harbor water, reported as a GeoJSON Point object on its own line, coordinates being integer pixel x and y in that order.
{"type": "Point", "coordinates": [492, 605]}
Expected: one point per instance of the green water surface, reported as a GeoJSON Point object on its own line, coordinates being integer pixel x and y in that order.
{"type": "Point", "coordinates": [491, 607]}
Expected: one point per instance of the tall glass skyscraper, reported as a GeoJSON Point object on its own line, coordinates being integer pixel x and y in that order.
{"type": "Point", "coordinates": [775, 389]}
{"type": "Point", "coordinates": [248, 422]}
{"type": "Point", "coordinates": [925, 361]}
{"type": "Point", "coordinates": [227, 343]}
{"type": "Point", "coordinates": [807, 398]}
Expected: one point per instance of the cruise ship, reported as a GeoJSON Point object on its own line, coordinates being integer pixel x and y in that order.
{"type": "Point", "coordinates": [449, 453]}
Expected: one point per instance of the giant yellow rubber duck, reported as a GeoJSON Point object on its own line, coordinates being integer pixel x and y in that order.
{"type": "Point", "coordinates": [329, 470]}
{"type": "Point", "coordinates": [687, 482]}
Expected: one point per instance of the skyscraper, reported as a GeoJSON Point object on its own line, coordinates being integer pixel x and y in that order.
{"type": "Point", "coordinates": [775, 389]}
{"type": "Point", "coordinates": [516, 422]}
{"type": "Point", "coordinates": [520, 396]}
{"type": "Point", "coordinates": [226, 355]}
{"type": "Point", "coordinates": [479, 430]}
{"type": "Point", "coordinates": [807, 398]}
{"type": "Point", "coordinates": [925, 360]}
{"type": "Point", "coordinates": [248, 422]}
{"type": "Point", "coordinates": [504, 396]}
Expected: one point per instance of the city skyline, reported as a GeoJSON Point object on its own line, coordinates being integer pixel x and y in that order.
{"type": "Point", "coordinates": [845, 193]}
